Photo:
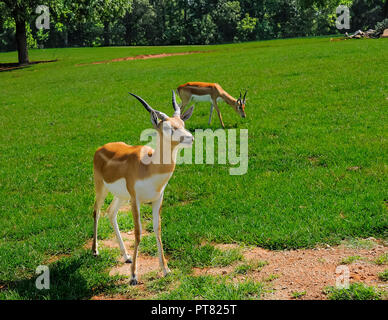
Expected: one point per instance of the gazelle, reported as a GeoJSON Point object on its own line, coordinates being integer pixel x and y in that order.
{"type": "Point", "coordinates": [125, 171]}
{"type": "Point", "coordinates": [211, 92]}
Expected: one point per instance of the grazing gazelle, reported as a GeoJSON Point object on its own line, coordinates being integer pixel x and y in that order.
{"type": "Point", "coordinates": [211, 92]}
{"type": "Point", "coordinates": [128, 174]}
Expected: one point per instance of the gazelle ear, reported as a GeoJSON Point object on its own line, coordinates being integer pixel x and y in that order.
{"type": "Point", "coordinates": [154, 118]}
{"type": "Point", "coordinates": [187, 114]}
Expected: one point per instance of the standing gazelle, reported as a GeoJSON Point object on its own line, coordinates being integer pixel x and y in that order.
{"type": "Point", "coordinates": [210, 92]}
{"type": "Point", "coordinates": [128, 174]}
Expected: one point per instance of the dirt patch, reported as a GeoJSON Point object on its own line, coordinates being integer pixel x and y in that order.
{"type": "Point", "coordinates": [145, 263]}
{"type": "Point", "coordinates": [55, 258]}
{"type": "Point", "coordinates": [144, 57]}
{"type": "Point", "coordinates": [14, 66]}
{"type": "Point", "coordinates": [309, 270]}
{"type": "Point", "coordinates": [286, 272]}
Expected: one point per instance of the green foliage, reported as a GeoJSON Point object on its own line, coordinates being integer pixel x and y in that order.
{"type": "Point", "coordinates": [381, 26]}
{"type": "Point", "coordinates": [356, 243]}
{"type": "Point", "coordinates": [205, 256]}
{"type": "Point", "coordinates": [356, 291]}
{"type": "Point", "coordinates": [365, 14]}
{"type": "Point", "coordinates": [210, 288]}
{"type": "Point", "coordinates": [246, 28]}
{"type": "Point", "coordinates": [148, 245]}
{"type": "Point", "coordinates": [350, 260]}
{"type": "Point", "coordinates": [149, 22]}
{"type": "Point", "coordinates": [80, 276]}
{"type": "Point", "coordinates": [382, 260]}
{"type": "Point", "coordinates": [156, 284]}
{"type": "Point", "coordinates": [302, 139]}
{"type": "Point", "coordinates": [246, 267]}
{"type": "Point", "coordinates": [140, 23]}
{"type": "Point", "coordinates": [383, 276]}
{"type": "Point", "coordinates": [298, 294]}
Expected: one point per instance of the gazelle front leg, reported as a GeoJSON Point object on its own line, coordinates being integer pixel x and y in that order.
{"type": "Point", "coordinates": [112, 212]}
{"type": "Point", "coordinates": [156, 210]}
{"type": "Point", "coordinates": [136, 220]}
{"type": "Point", "coordinates": [219, 114]}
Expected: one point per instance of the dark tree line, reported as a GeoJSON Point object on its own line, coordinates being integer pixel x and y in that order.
{"type": "Point", "coordinates": [166, 22]}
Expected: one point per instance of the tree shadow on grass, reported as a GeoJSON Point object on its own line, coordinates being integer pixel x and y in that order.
{"type": "Point", "coordinates": [5, 67]}
{"type": "Point", "coordinates": [80, 276]}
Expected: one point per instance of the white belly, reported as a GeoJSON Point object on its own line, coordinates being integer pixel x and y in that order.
{"type": "Point", "coordinates": [151, 188]}
{"type": "Point", "coordinates": [203, 98]}
{"type": "Point", "coordinates": [118, 188]}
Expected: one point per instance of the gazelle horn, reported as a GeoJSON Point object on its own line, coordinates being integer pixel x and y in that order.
{"type": "Point", "coordinates": [245, 94]}
{"type": "Point", "coordinates": [161, 115]}
{"type": "Point", "coordinates": [175, 105]}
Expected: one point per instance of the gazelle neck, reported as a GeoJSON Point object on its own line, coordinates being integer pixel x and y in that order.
{"type": "Point", "coordinates": [166, 151]}
{"type": "Point", "coordinates": [229, 99]}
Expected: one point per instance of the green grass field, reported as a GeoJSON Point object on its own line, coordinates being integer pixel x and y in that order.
{"type": "Point", "coordinates": [317, 120]}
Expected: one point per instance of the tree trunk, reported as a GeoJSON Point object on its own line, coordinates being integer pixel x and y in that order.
{"type": "Point", "coordinates": [106, 34]}
{"type": "Point", "coordinates": [21, 41]}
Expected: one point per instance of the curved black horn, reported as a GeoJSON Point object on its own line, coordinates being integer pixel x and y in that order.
{"type": "Point", "coordinates": [240, 95]}
{"type": "Point", "coordinates": [145, 104]}
{"type": "Point", "coordinates": [175, 105]}
{"type": "Point", "coordinates": [245, 94]}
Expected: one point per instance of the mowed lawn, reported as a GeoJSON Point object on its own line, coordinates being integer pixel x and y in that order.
{"type": "Point", "coordinates": [317, 120]}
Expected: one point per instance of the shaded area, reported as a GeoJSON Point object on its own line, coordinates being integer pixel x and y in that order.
{"type": "Point", "coordinates": [77, 277]}
{"type": "Point", "coordinates": [14, 65]}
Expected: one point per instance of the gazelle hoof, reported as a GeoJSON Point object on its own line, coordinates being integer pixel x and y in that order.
{"type": "Point", "coordinates": [129, 260]}
{"type": "Point", "coordinates": [95, 253]}
{"type": "Point", "coordinates": [166, 272]}
{"type": "Point", "coordinates": [133, 282]}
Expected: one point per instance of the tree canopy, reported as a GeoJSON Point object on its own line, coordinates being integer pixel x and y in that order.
{"type": "Point", "coordinates": [166, 22]}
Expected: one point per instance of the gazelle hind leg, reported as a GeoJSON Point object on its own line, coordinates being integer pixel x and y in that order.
{"type": "Point", "coordinates": [112, 213]}
{"type": "Point", "coordinates": [156, 210]}
{"type": "Point", "coordinates": [136, 220]}
{"type": "Point", "coordinates": [211, 112]}
{"type": "Point", "coordinates": [101, 193]}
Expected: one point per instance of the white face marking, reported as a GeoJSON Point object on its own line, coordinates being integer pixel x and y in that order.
{"type": "Point", "coordinates": [187, 137]}
{"type": "Point", "coordinates": [146, 190]}
{"type": "Point", "coordinates": [118, 188]}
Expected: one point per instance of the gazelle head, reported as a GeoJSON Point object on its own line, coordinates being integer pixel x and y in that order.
{"type": "Point", "coordinates": [171, 129]}
{"type": "Point", "coordinates": [240, 105]}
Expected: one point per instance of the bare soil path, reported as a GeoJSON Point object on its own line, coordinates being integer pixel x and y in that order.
{"type": "Point", "coordinates": [286, 272]}
{"type": "Point", "coordinates": [144, 57]}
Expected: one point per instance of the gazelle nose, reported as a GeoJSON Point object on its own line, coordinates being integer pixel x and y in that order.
{"type": "Point", "coordinates": [186, 139]}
